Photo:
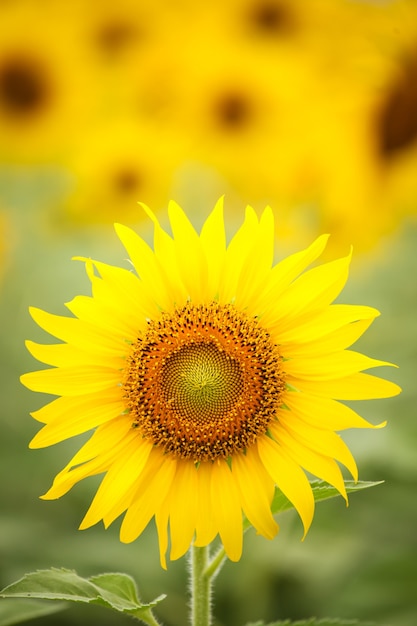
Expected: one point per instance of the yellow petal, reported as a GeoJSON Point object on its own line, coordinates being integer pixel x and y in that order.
{"type": "Point", "coordinates": [320, 465]}
{"type": "Point", "coordinates": [355, 387]}
{"type": "Point", "coordinates": [165, 252]}
{"type": "Point", "coordinates": [95, 457]}
{"type": "Point", "coordinates": [161, 521]}
{"type": "Point", "coordinates": [213, 242]}
{"type": "Point", "coordinates": [189, 252]}
{"type": "Point", "coordinates": [325, 322]}
{"type": "Point", "coordinates": [64, 354]}
{"type": "Point", "coordinates": [120, 477]}
{"type": "Point", "coordinates": [72, 381]}
{"type": "Point", "coordinates": [236, 254]}
{"type": "Point", "coordinates": [109, 319]}
{"type": "Point", "coordinates": [146, 265]}
{"type": "Point", "coordinates": [78, 333]}
{"type": "Point", "coordinates": [205, 526]}
{"type": "Point", "coordinates": [227, 511]}
{"type": "Point", "coordinates": [66, 417]}
{"type": "Point", "coordinates": [289, 268]}
{"type": "Point", "coordinates": [324, 442]}
{"type": "Point", "coordinates": [324, 412]}
{"type": "Point", "coordinates": [183, 508]}
{"type": "Point", "coordinates": [329, 366]}
{"type": "Point", "coordinates": [289, 478]}
{"type": "Point", "coordinates": [149, 499]}
{"type": "Point", "coordinates": [256, 496]}
{"type": "Point", "coordinates": [120, 288]}
{"type": "Point", "coordinates": [312, 291]}
{"type": "Point", "coordinates": [257, 266]}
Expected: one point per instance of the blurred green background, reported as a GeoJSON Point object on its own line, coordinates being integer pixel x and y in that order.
{"type": "Point", "coordinates": [310, 107]}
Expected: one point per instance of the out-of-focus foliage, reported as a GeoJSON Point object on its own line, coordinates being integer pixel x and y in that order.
{"type": "Point", "coordinates": [308, 106]}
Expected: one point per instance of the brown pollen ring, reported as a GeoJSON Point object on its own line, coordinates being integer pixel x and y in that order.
{"type": "Point", "coordinates": [203, 382]}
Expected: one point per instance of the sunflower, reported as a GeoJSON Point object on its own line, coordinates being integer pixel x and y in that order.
{"type": "Point", "coordinates": [364, 131]}
{"type": "Point", "coordinates": [116, 163]}
{"type": "Point", "coordinates": [210, 376]}
{"type": "Point", "coordinates": [45, 91]}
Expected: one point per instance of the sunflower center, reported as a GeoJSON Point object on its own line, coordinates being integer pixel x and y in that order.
{"type": "Point", "coordinates": [203, 382]}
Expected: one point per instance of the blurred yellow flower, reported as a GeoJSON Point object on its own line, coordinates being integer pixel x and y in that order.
{"type": "Point", "coordinates": [44, 90]}
{"type": "Point", "coordinates": [364, 139]}
{"type": "Point", "coordinates": [209, 377]}
{"type": "Point", "coordinates": [118, 164]}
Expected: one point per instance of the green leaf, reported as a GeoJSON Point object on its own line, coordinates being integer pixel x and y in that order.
{"type": "Point", "coordinates": [321, 491]}
{"type": "Point", "coordinates": [313, 621]}
{"type": "Point", "coordinates": [114, 591]}
{"type": "Point", "coordinates": [16, 611]}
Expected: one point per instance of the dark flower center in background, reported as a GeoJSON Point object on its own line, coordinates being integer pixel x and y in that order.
{"type": "Point", "coordinates": [126, 180]}
{"type": "Point", "coordinates": [24, 88]}
{"type": "Point", "coordinates": [397, 119]}
{"type": "Point", "coordinates": [114, 36]}
{"type": "Point", "coordinates": [270, 18]}
{"type": "Point", "coordinates": [232, 111]}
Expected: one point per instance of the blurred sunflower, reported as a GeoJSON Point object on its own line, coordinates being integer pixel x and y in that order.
{"type": "Point", "coordinates": [115, 166]}
{"type": "Point", "coordinates": [364, 141]}
{"type": "Point", "coordinates": [44, 90]}
{"type": "Point", "coordinates": [243, 114]}
{"type": "Point", "coordinates": [209, 377]}
{"type": "Point", "coordinates": [119, 41]}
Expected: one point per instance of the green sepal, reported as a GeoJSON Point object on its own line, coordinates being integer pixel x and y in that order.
{"type": "Point", "coordinates": [321, 491]}
{"type": "Point", "coordinates": [113, 590]}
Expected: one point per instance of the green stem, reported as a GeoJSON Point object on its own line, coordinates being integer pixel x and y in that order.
{"type": "Point", "coordinates": [200, 587]}
{"type": "Point", "coordinates": [215, 564]}
{"type": "Point", "coordinates": [146, 616]}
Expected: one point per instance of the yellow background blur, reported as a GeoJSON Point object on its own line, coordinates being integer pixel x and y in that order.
{"type": "Point", "coordinates": [309, 106]}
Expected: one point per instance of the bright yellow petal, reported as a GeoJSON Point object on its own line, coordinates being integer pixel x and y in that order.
{"type": "Point", "coordinates": [120, 289]}
{"type": "Point", "coordinates": [109, 319]}
{"type": "Point", "coordinates": [257, 266]}
{"type": "Point", "coordinates": [318, 447]}
{"type": "Point", "coordinates": [256, 491]}
{"type": "Point", "coordinates": [66, 417]}
{"type": "Point", "coordinates": [287, 270]}
{"type": "Point", "coordinates": [183, 508]}
{"type": "Point", "coordinates": [95, 457]}
{"type": "Point", "coordinates": [227, 511]}
{"type": "Point", "coordinates": [64, 354]}
{"type": "Point", "coordinates": [165, 252]}
{"type": "Point", "coordinates": [329, 366]}
{"type": "Point", "coordinates": [148, 500]}
{"type": "Point", "coordinates": [120, 477]}
{"type": "Point", "coordinates": [161, 521]}
{"type": "Point", "coordinates": [325, 322]}
{"type": "Point", "coordinates": [206, 528]}
{"type": "Point", "coordinates": [78, 333]}
{"type": "Point", "coordinates": [191, 261]}
{"type": "Point", "coordinates": [146, 265]}
{"type": "Point", "coordinates": [72, 381]}
{"type": "Point", "coordinates": [311, 292]}
{"type": "Point", "coordinates": [325, 413]}
{"type": "Point", "coordinates": [289, 478]}
{"type": "Point", "coordinates": [236, 254]}
{"type": "Point", "coordinates": [355, 387]}
{"type": "Point", "coordinates": [213, 242]}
